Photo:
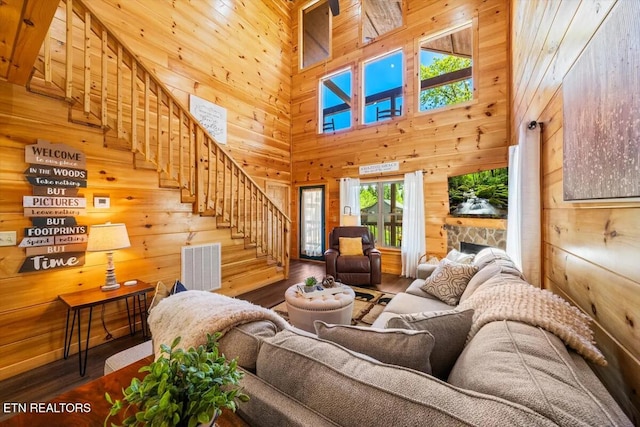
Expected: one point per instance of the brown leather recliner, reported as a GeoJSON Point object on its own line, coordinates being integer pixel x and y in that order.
{"type": "Point", "coordinates": [365, 269]}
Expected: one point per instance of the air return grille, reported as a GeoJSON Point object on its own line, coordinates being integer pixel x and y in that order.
{"type": "Point", "coordinates": [201, 267]}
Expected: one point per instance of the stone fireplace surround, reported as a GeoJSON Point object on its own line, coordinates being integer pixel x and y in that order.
{"type": "Point", "coordinates": [490, 235]}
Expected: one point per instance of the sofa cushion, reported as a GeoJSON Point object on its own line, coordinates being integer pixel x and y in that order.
{"type": "Point", "coordinates": [449, 328]}
{"type": "Point", "coordinates": [352, 391]}
{"type": "Point", "coordinates": [350, 245]}
{"type": "Point", "coordinates": [531, 367]}
{"type": "Point", "coordinates": [268, 406]}
{"type": "Point", "coordinates": [487, 255]}
{"type": "Point", "coordinates": [415, 288]}
{"type": "Point", "coordinates": [449, 281]}
{"type": "Point", "coordinates": [424, 270]}
{"type": "Point", "coordinates": [402, 347]}
{"type": "Point", "coordinates": [484, 274]}
{"type": "Point", "coordinates": [493, 272]}
{"type": "Point", "coordinates": [404, 303]}
{"type": "Point", "coordinates": [382, 319]}
{"type": "Point", "coordinates": [243, 342]}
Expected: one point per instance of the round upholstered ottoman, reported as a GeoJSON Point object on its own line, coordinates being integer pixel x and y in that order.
{"type": "Point", "coordinates": [336, 308]}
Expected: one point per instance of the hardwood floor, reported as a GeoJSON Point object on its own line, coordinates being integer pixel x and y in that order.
{"type": "Point", "coordinates": [45, 382]}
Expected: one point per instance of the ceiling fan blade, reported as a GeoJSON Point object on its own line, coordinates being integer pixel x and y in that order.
{"type": "Point", "coordinates": [334, 5]}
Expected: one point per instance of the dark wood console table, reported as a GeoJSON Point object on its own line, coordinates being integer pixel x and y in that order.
{"type": "Point", "coordinates": [76, 301]}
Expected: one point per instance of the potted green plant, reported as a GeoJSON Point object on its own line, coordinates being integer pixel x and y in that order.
{"type": "Point", "coordinates": [310, 282]}
{"type": "Point", "coordinates": [182, 388]}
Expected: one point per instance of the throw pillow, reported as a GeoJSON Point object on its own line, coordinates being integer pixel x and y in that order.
{"type": "Point", "coordinates": [408, 348]}
{"type": "Point", "coordinates": [449, 328]}
{"type": "Point", "coordinates": [178, 287]}
{"type": "Point", "coordinates": [449, 280]}
{"type": "Point", "coordinates": [161, 293]}
{"type": "Point", "coordinates": [460, 257]}
{"type": "Point", "coordinates": [350, 245]}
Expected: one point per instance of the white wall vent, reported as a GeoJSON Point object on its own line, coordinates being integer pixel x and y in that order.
{"type": "Point", "coordinates": [201, 267]}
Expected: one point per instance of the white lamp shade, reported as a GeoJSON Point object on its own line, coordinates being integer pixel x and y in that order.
{"type": "Point", "coordinates": [348, 220]}
{"type": "Point", "coordinates": [107, 237]}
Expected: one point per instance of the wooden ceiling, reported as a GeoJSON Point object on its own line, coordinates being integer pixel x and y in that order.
{"type": "Point", "coordinates": [25, 24]}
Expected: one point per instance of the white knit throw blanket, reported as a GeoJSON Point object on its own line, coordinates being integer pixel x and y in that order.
{"type": "Point", "coordinates": [537, 307]}
{"type": "Point", "coordinates": [192, 314]}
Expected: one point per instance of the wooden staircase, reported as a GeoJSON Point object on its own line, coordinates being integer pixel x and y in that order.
{"type": "Point", "coordinates": [106, 86]}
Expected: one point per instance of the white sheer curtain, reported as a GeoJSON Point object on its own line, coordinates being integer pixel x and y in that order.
{"type": "Point", "coordinates": [524, 222]}
{"type": "Point", "coordinates": [413, 245]}
{"type": "Point", "coordinates": [350, 196]}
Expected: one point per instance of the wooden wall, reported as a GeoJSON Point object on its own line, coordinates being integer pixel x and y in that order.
{"type": "Point", "coordinates": [447, 142]}
{"type": "Point", "coordinates": [234, 54]}
{"type": "Point", "coordinates": [591, 250]}
{"type": "Point", "coordinates": [238, 57]}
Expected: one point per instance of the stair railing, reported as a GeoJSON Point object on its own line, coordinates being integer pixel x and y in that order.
{"type": "Point", "coordinates": [108, 87]}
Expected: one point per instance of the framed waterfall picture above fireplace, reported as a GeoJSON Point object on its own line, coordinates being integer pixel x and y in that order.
{"type": "Point", "coordinates": [482, 194]}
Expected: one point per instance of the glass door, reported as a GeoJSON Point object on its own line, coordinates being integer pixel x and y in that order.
{"type": "Point", "coordinates": [312, 222]}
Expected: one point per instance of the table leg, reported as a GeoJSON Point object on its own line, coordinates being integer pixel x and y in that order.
{"type": "Point", "coordinates": [67, 333]}
{"type": "Point", "coordinates": [83, 364]}
{"type": "Point", "coordinates": [143, 314]}
{"type": "Point", "coordinates": [134, 314]}
{"type": "Point", "coordinates": [132, 327]}
{"type": "Point", "coordinates": [145, 323]}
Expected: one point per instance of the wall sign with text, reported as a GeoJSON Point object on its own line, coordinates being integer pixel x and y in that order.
{"type": "Point", "coordinates": [211, 116]}
{"type": "Point", "coordinates": [57, 172]}
{"type": "Point", "coordinates": [379, 168]}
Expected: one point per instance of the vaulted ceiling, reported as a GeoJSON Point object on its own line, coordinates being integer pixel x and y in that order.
{"type": "Point", "coordinates": [25, 24]}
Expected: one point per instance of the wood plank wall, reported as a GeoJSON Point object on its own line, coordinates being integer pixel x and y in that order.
{"type": "Point", "coordinates": [591, 250]}
{"type": "Point", "coordinates": [238, 58]}
{"type": "Point", "coordinates": [234, 54]}
{"type": "Point", "coordinates": [447, 142]}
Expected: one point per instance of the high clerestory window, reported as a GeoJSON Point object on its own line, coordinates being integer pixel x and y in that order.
{"type": "Point", "coordinates": [446, 69]}
{"type": "Point", "coordinates": [335, 101]}
{"type": "Point", "coordinates": [315, 33]}
{"type": "Point", "coordinates": [382, 83]}
{"type": "Point", "coordinates": [380, 17]}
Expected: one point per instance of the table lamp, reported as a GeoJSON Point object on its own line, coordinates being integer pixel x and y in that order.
{"type": "Point", "coordinates": [108, 238]}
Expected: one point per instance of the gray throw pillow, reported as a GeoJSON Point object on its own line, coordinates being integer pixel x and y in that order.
{"type": "Point", "coordinates": [408, 348]}
{"type": "Point", "coordinates": [449, 280]}
{"type": "Point", "coordinates": [449, 328]}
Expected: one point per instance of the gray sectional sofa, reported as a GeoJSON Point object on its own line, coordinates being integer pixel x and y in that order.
{"type": "Point", "coordinates": [508, 374]}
